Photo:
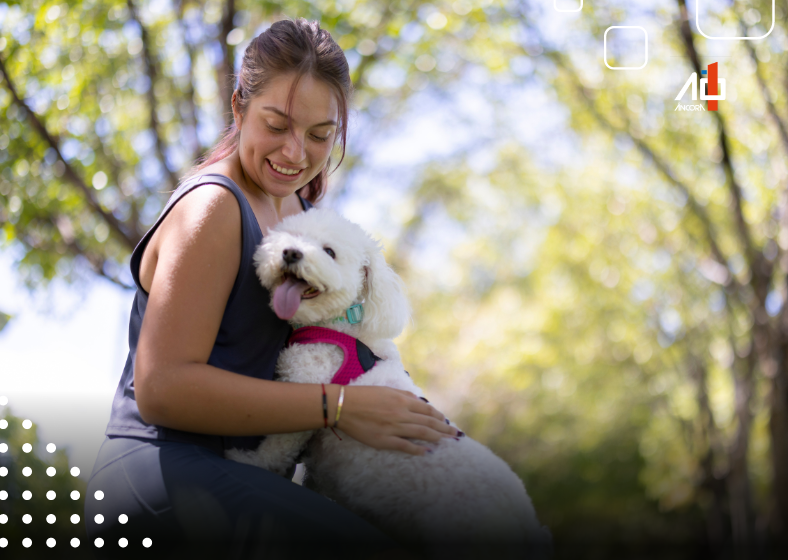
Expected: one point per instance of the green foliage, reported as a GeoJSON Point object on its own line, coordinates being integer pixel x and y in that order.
{"type": "Point", "coordinates": [123, 127]}
{"type": "Point", "coordinates": [595, 321]}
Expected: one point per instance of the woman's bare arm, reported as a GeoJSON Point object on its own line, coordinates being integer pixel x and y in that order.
{"type": "Point", "coordinates": [198, 259]}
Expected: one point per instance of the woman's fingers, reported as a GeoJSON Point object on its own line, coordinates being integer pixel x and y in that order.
{"type": "Point", "coordinates": [422, 432]}
{"type": "Point", "coordinates": [436, 420]}
{"type": "Point", "coordinates": [399, 444]}
{"type": "Point", "coordinates": [386, 418]}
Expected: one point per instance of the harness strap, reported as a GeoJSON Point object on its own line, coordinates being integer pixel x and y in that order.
{"type": "Point", "coordinates": [358, 357]}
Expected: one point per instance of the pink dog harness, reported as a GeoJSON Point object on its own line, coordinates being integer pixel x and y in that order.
{"type": "Point", "coordinates": [358, 360]}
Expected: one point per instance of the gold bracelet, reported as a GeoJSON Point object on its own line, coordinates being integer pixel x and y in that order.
{"type": "Point", "coordinates": [339, 404]}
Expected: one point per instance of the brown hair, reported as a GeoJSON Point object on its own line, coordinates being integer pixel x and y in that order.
{"type": "Point", "coordinates": [296, 47]}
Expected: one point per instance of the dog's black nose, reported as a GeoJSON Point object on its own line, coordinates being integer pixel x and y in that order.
{"type": "Point", "coordinates": [292, 255]}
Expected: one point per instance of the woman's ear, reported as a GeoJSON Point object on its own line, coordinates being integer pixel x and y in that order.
{"type": "Point", "coordinates": [386, 308]}
{"type": "Point", "coordinates": [237, 117]}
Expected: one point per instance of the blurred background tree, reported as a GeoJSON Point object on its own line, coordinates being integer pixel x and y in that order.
{"type": "Point", "coordinates": [598, 280]}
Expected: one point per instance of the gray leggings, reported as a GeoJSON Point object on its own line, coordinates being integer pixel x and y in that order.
{"type": "Point", "coordinates": [184, 497]}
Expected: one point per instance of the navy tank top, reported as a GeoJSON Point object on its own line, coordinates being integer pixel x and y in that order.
{"type": "Point", "coordinates": [249, 340]}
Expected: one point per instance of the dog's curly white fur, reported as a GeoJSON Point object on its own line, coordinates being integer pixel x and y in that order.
{"type": "Point", "coordinates": [462, 492]}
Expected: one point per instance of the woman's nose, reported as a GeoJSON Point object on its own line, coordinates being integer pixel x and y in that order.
{"type": "Point", "coordinates": [294, 149]}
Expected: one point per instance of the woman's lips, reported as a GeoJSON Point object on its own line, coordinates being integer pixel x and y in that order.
{"type": "Point", "coordinates": [282, 176]}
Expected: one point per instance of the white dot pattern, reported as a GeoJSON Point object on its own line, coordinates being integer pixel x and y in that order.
{"type": "Point", "coordinates": [51, 518]}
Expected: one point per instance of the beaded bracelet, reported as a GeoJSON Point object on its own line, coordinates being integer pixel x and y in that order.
{"type": "Point", "coordinates": [325, 407]}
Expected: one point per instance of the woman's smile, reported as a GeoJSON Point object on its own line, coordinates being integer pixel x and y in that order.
{"type": "Point", "coordinates": [284, 173]}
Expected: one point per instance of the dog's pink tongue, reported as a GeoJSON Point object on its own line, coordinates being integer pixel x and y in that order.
{"type": "Point", "coordinates": [287, 297]}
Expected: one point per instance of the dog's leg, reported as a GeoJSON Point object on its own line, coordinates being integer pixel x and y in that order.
{"type": "Point", "coordinates": [276, 453]}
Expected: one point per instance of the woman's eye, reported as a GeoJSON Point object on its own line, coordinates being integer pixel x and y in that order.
{"type": "Point", "coordinates": [274, 129]}
{"type": "Point", "coordinates": [330, 252]}
{"type": "Point", "coordinates": [321, 139]}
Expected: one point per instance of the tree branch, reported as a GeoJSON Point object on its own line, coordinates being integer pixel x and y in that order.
{"type": "Point", "coordinates": [694, 206]}
{"type": "Point", "coordinates": [759, 266]}
{"type": "Point", "coordinates": [151, 69]}
{"type": "Point", "coordinates": [226, 68]}
{"type": "Point", "coordinates": [61, 223]}
{"type": "Point", "coordinates": [130, 240]}
{"type": "Point", "coordinates": [768, 97]}
{"type": "Point", "coordinates": [196, 149]}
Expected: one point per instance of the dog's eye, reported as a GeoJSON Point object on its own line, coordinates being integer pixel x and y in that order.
{"type": "Point", "coordinates": [330, 252]}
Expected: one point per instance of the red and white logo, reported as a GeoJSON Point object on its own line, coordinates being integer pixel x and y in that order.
{"type": "Point", "coordinates": [713, 83]}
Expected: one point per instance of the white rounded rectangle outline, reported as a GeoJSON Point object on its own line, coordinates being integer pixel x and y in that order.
{"type": "Point", "coordinates": [557, 10]}
{"type": "Point", "coordinates": [625, 67]}
{"type": "Point", "coordinates": [720, 97]}
{"type": "Point", "coordinates": [697, 24]}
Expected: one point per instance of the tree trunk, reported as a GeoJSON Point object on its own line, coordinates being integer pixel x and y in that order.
{"type": "Point", "coordinates": [739, 488]}
{"type": "Point", "coordinates": [226, 69]}
{"type": "Point", "coordinates": [778, 428]}
{"type": "Point", "coordinates": [716, 486]}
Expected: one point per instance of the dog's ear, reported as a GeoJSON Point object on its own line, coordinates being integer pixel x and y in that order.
{"type": "Point", "coordinates": [386, 309]}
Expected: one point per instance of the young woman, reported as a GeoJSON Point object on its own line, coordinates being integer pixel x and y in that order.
{"type": "Point", "coordinates": [204, 342]}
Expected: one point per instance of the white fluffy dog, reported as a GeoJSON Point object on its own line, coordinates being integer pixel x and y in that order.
{"type": "Point", "coordinates": [317, 264]}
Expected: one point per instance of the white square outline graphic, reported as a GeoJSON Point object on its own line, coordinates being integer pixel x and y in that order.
{"type": "Point", "coordinates": [625, 67]}
{"type": "Point", "coordinates": [577, 10]}
{"type": "Point", "coordinates": [697, 24]}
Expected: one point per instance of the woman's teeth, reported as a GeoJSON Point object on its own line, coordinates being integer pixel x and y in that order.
{"type": "Point", "coordinates": [284, 171]}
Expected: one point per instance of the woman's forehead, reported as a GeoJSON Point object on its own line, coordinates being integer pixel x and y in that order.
{"type": "Point", "coordinates": [314, 102]}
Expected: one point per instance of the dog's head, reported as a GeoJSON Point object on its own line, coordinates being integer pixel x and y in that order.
{"type": "Point", "coordinates": [316, 264]}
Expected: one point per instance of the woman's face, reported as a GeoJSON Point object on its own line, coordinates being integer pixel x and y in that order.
{"type": "Point", "coordinates": [280, 161]}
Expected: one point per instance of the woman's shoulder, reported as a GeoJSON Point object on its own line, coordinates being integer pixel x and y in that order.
{"type": "Point", "coordinates": [211, 207]}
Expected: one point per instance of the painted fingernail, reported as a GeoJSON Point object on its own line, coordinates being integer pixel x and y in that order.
{"type": "Point", "coordinates": [425, 400]}
{"type": "Point", "coordinates": [447, 420]}
{"type": "Point", "coordinates": [458, 439]}
{"type": "Point", "coordinates": [461, 434]}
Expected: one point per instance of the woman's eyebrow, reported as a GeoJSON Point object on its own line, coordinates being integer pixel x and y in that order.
{"type": "Point", "coordinates": [283, 114]}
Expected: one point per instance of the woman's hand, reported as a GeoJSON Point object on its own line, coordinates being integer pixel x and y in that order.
{"type": "Point", "coordinates": [383, 418]}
